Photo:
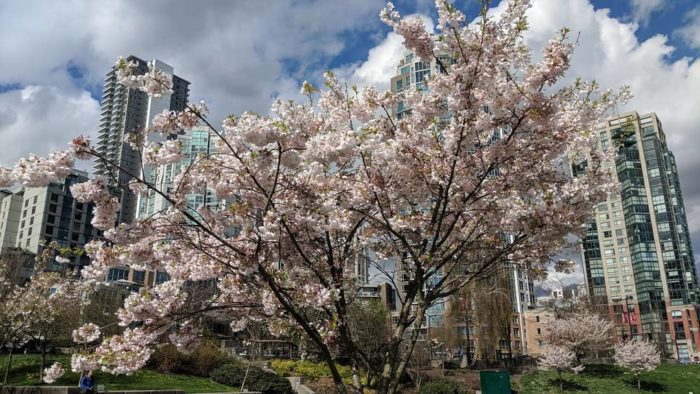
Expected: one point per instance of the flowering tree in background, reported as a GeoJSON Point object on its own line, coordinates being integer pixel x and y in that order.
{"type": "Point", "coordinates": [560, 359]}
{"type": "Point", "coordinates": [28, 305]}
{"type": "Point", "coordinates": [637, 356]}
{"type": "Point", "coordinates": [475, 175]}
{"type": "Point", "coordinates": [582, 332]}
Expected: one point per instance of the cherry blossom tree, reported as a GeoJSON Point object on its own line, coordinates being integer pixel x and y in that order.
{"type": "Point", "coordinates": [638, 356]}
{"type": "Point", "coordinates": [582, 332]}
{"type": "Point", "coordinates": [29, 305]}
{"type": "Point", "coordinates": [560, 359]}
{"type": "Point", "coordinates": [473, 176]}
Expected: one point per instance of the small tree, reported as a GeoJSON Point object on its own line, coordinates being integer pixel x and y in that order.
{"type": "Point", "coordinates": [29, 304]}
{"type": "Point", "coordinates": [637, 356]}
{"type": "Point", "coordinates": [582, 332]}
{"type": "Point", "coordinates": [560, 359]}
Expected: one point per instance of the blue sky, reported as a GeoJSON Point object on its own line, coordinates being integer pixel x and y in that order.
{"type": "Point", "coordinates": [240, 55]}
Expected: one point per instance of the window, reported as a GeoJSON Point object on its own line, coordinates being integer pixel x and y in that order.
{"type": "Point", "coordinates": [117, 274]}
{"type": "Point", "coordinates": [539, 331]}
{"type": "Point", "coordinates": [139, 276]}
{"type": "Point", "coordinates": [537, 319]}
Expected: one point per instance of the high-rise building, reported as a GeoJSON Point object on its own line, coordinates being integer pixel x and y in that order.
{"type": "Point", "coordinates": [193, 142]}
{"type": "Point", "coordinates": [31, 217]}
{"type": "Point", "coordinates": [637, 254]}
{"type": "Point", "coordinates": [125, 110]}
{"type": "Point", "coordinates": [413, 73]}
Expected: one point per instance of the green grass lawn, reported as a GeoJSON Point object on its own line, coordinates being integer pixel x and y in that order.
{"type": "Point", "coordinates": [25, 372]}
{"type": "Point", "coordinates": [599, 378]}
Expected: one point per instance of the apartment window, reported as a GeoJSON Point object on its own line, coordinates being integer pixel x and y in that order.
{"type": "Point", "coordinates": [54, 197]}
{"type": "Point", "coordinates": [33, 210]}
{"type": "Point", "coordinates": [537, 319]}
{"type": "Point", "coordinates": [609, 252]}
{"type": "Point", "coordinates": [117, 274]}
{"type": "Point", "coordinates": [139, 276]}
{"type": "Point", "coordinates": [49, 229]}
{"type": "Point", "coordinates": [607, 234]}
{"type": "Point", "coordinates": [31, 221]}
{"type": "Point", "coordinates": [35, 199]}
{"type": "Point", "coordinates": [26, 203]}
{"type": "Point", "coordinates": [618, 232]}
{"type": "Point", "coordinates": [539, 331]}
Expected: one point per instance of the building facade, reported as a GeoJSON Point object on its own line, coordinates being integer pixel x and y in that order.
{"type": "Point", "coordinates": [31, 217]}
{"type": "Point", "coordinates": [637, 254]}
{"type": "Point", "coordinates": [124, 111]}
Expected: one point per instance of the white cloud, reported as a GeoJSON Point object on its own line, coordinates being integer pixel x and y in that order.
{"type": "Point", "coordinates": [39, 119]}
{"type": "Point", "coordinates": [642, 10]}
{"type": "Point", "coordinates": [232, 52]}
{"type": "Point", "coordinates": [381, 62]}
{"type": "Point", "coordinates": [690, 31]}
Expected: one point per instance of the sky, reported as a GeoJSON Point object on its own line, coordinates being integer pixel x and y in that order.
{"type": "Point", "coordinates": [241, 55]}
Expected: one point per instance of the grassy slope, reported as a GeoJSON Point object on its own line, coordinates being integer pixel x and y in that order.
{"type": "Point", "coordinates": [25, 372]}
{"type": "Point", "coordinates": [667, 378]}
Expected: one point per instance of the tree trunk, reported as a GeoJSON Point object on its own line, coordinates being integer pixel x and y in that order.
{"type": "Point", "coordinates": [639, 383]}
{"type": "Point", "coordinates": [561, 382]}
{"type": "Point", "coordinates": [8, 367]}
{"type": "Point", "coordinates": [43, 360]}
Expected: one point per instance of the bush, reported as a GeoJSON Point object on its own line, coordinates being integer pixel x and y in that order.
{"type": "Point", "coordinates": [232, 374]}
{"type": "Point", "coordinates": [440, 386]}
{"type": "Point", "coordinates": [307, 369]}
{"type": "Point", "coordinates": [201, 362]}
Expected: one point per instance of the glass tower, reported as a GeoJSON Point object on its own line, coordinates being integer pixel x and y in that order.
{"type": "Point", "coordinates": [637, 254]}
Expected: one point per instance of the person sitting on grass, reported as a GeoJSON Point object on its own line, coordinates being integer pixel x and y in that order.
{"type": "Point", "coordinates": [87, 383]}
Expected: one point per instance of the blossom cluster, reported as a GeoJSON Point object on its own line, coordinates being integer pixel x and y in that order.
{"type": "Point", "coordinates": [106, 205]}
{"type": "Point", "coordinates": [155, 82]}
{"type": "Point", "coordinates": [54, 372]}
{"type": "Point", "coordinates": [86, 333]}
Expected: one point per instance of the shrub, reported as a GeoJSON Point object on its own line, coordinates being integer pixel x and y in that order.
{"type": "Point", "coordinates": [201, 362]}
{"type": "Point", "coordinates": [440, 386]}
{"type": "Point", "coordinates": [283, 367]}
{"type": "Point", "coordinates": [232, 374]}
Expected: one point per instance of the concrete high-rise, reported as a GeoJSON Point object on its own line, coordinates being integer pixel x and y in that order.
{"type": "Point", "coordinates": [637, 254]}
{"type": "Point", "coordinates": [123, 111]}
{"type": "Point", "coordinates": [31, 217]}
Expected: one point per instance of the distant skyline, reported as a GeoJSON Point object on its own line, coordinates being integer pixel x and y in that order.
{"type": "Point", "coordinates": [241, 55]}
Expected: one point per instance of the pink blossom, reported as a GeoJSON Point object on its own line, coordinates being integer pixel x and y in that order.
{"type": "Point", "coordinates": [52, 373]}
{"type": "Point", "coordinates": [86, 333]}
{"type": "Point", "coordinates": [80, 147]}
